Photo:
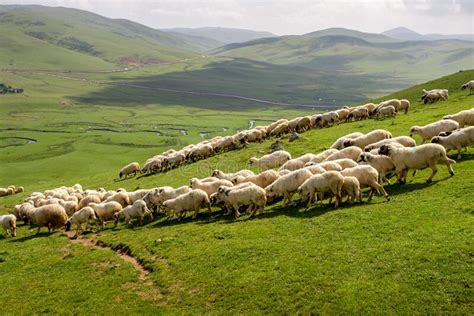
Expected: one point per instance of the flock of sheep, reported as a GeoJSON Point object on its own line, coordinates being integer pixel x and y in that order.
{"type": "Point", "coordinates": [11, 190]}
{"type": "Point", "coordinates": [355, 161]}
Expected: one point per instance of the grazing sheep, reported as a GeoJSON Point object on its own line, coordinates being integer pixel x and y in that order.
{"type": "Point", "coordinates": [343, 114]}
{"type": "Point", "coordinates": [82, 216]}
{"type": "Point", "coordinates": [157, 196]}
{"type": "Point", "coordinates": [345, 163]}
{"type": "Point", "coordinates": [323, 155]}
{"type": "Point", "coordinates": [315, 169]}
{"type": "Point", "coordinates": [209, 187]}
{"type": "Point", "coordinates": [137, 210]}
{"type": "Point", "coordinates": [130, 169]}
{"type": "Point", "coordinates": [417, 158]}
{"type": "Point", "coordinates": [120, 197]}
{"type": "Point", "coordinates": [306, 157]}
{"type": "Point", "coordinates": [6, 191]}
{"type": "Point", "coordinates": [273, 125]}
{"type": "Point", "coordinates": [227, 143]}
{"type": "Point", "coordinates": [136, 195]}
{"type": "Point", "coordinates": [287, 185]}
{"type": "Point", "coordinates": [470, 85]}
{"type": "Point", "coordinates": [22, 211]}
{"type": "Point", "coordinates": [431, 130]}
{"type": "Point", "coordinates": [404, 141]}
{"type": "Point", "coordinates": [262, 179]}
{"type": "Point", "coordinates": [369, 138]}
{"type": "Point", "coordinates": [229, 176]}
{"type": "Point", "coordinates": [303, 124]}
{"type": "Point", "coordinates": [387, 111]}
{"type": "Point", "coordinates": [292, 165]}
{"type": "Point", "coordinates": [458, 139]}
{"type": "Point", "coordinates": [368, 177]}
{"type": "Point", "coordinates": [463, 118]}
{"type": "Point", "coordinates": [8, 223]}
{"type": "Point", "coordinates": [330, 181]}
{"type": "Point", "coordinates": [69, 206]}
{"type": "Point", "coordinates": [188, 202]}
{"type": "Point", "coordinates": [351, 152]}
{"type": "Point", "coordinates": [383, 164]}
{"type": "Point", "coordinates": [358, 114]}
{"type": "Point", "coordinates": [351, 189]}
{"type": "Point", "coordinates": [326, 119]}
{"type": "Point", "coordinates": [51, 216]}
{"type": "Point", "coordinates": [330, 166]}
{"type": "Point", "coordinates": [89, 199]}
{"type": "Point", "coordinates": [106, 210]}
{"type": "Point", "coordinates": [339, 143]}
{"type": "Point", "coordinates": [175, 160]}
{"type": "Point", "coordinates": [404, 106]}
{"type": "Point", "coordinates": [393, 102]}
{"type": "Point", "coordinates": [434, 95]}
{"type": "Point", "coordinates": [273, 160]}
{"type": "Point", "coordinates": [280, 129]}
{"type": "Point", "coordinates": [251, 195]}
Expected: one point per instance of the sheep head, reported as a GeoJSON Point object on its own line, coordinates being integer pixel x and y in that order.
{"type": "Point", "coordinates": [385, 150]}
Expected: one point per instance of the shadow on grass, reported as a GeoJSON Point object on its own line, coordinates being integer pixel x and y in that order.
{"type": "Point", "coordinates": [396, 188]}
{"type": "Point", "coordinates": [39, 235]}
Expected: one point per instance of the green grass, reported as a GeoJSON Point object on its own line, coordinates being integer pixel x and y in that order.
{"type": "Point", "coordinates": [410, 255]}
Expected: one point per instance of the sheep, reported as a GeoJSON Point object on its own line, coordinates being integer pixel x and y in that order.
{"type": "Point", "coordinates": [368, 177]}
{"type": "Point", "coordinates": [303, 124]}
{"type": "Point", "coordinates": [273, 125]}
{"type": "Point", "coordinates": [106, 210]}
{"type": "Point", "coordinates": [351, 189]}
{"type": "Point", "coordinates": [330, 181]}
{"type": "Point", "coordinates": [339, 143]}
{"type": "Point", "coordinates": [434, 95]}
{"type": "Point", "coordinates": [22, 211]}
{"type": "Point", "coordinates": [6, 191]}
{"type": "Point", "coordinates": [306, 157]}
{"type": "Point", "coordinates": [315, 169]}
{"type": "Point", "coordinates": [229, 176]}
{"type": "Point", "coordinates": [262, 179]}
{"type": "Point", "coordinates": [51, 216]}
{"type": "Point", "coordinates": [82, 216]}
{"type": "Point", "coordinates": [343, 114]}
{"type": "Point", "coordinates": [330, 166]}
{"type": "Point", "coordinates": [280, 129]}
{"type": "Point", "coordinates": [383, 164]}
{"type": "Point", "coordinates": [287, 185]}
{"type": "Point", "coordinates": [387, 111]}
{"type": "Point", "coordinates": [227, 143]}
{"type": "Point", "coordinates": [273, 160]}
{"type": "Point", "coordinates": [136, 195]}
{"type": "Point", "coordinates": [456, 140]}
{"type": "Point", "coordinates": [431, 130]}
{"type": "Point", "coordinates": [120, 197]}
{"type": "Point", "coordinates": [137, 210]}
{"type": "Point", "coordinates": [419, 157]}
{"type": "Point", "coordinates": [69, 206]}
{"type": "Point", "coordinates": [157, 196]}
{"type": "Point", "coordinates": [369, 138]}
{"type": "Point", "coordinates": [292, 165]}
{"type": "Point", "coordinates": [8, 223]}
{"type": "Point", "coordinates": [393, 102]}
{"type": "Point", "coordinates": [176, 159]}
{"type": "Point", "coordinates": [209, 187]}
{"type": "Point", "coordinates": [404, 141]}
{"type": "Point", "coordinates": [216, 198]}
{"type": "Point", "coordinates": [251, 195]}
{"type": "Point", "coordinates": [323, 155]}
{"type": "Point", "coordinates": [345, 163]}
{"type": "Point", "coordinates": [404, 106]}
{"type": "Point", "coordinates": [292, 124]}
{"type": "Point", "coordinates": [351, 152]}
{"type": "Point", "coordinates": [323, 120]}
{"type": "Point", "coordinates": [358, 114]}
{"type": "Point", "coordinates": [369, 106]}
{"type": "Point", "coordinates": [187, 202]}
{"type": "Point", "coordinates": [470, 85]}
{"type": "Point", "coordinates": [130, 169]}
{"type": "Point", "coordinates": [89, 199]}
{"type": "Point", "coordinates": [254, 135]}
{"type": "Point", "coordinates": [463, 118]}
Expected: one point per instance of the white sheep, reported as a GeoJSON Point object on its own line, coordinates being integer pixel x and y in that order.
{"type": "Point", "coordinates": [345, 163]}
{"type": "Point", "coordinates": [387, 111]}
{"type": "Point", "coordinates": [273, 125]}
{"type": "Point", "coordinates": [326, 119]}
{"type": "Point", "coordinates": [157, 196]}
{"type": "Point", "coordinates": [188, 202]}
{"type": "Point", "coordinates": [8, 223]}
{"type": "Point", "coordinates": [458, 140]}
{"type": "Point", "coordinates": [404, 106]}
{"type": "Point", "coordinates": [94, 198]}
{"type": "Point", "coordinates": [292, 165]}
{"type": "Point", "coordinates": [470, 85]}
{"type": "Point", "coordinates": [358, 114]}
{"type": "Point", "coordinates": [330, 181]}
{"type": "Point", "coordinates": [323, 155]}
{"type": "Point", "coordinates": [351, 152]}
{"type": "Point", "coordinates": [22, 211]}
{"type": "Point", "coordinates": [273, 160]}
{"type": "Point", "coordinates": [136, 195]}
{"type": "Point", "coordinates": [351, 189]}
{"type": "Point", "coordinates": [405, 141]}
{"type": "Point", "coordinates": [209, 187]}
{"type": "Point", "coordinates": [280, 129]}
{"type": "Point", "coordinates": [120, 197]}
{"type": "Point", "coordinates": [82, 216]}
{"type": "Point", "coordinates": [339, 143]}
{"type": "Point", "coordinates": [463, 118]}
{"type": "Point", "coordinates": [368, 177]}
{"type": "Point", "coordinates": [431, 130]}
{"type": "Point", "coordinates": [369, 138]}
{"type": "Point", "coordinates": [343, 114]}
{"type": "Point", "coordinates": [417, 158]}
{"type": "Point", "coordinates": [262, 179]}
{"type": "Point", "coordinates": [6, 191]}
{"type": "Point", "coordinates": [138, 209]}
{"type": "Point", "coordinates": [250, 194]}
{"type": "Point", "coordinates": [330, 166]}
{"type": "Point", "coordinates": [69, 206]}
{"type": "Point", "coordinates": [51, 216]}
{"type": "Point", "coordinates": [383, 164]}
{"type": "Point", "coordinates": [106, 210]}
{"type": "Point", "coordinates": [130, 169]}
{"type": "Point", "coordinates": [287, 185]}
{"type": "Point", "coordinates": [393, 102]}
{"type": "Point", "coordinates": [229, 176]}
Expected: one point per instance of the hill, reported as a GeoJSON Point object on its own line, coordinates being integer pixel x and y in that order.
{"type": "Point", "coordinates": [39, 37]}
{"type": "Point", "coordinates": [369, 37]}
{"type": "Point", "coordinates": [221, 35]}
{"type": "Point", "coordinates": [405, 34]}
{"type": "Point", "coordinates": [412, 254]}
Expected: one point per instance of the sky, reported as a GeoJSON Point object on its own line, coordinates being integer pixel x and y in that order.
{"type": "Point", "coordinates": [283, 17]}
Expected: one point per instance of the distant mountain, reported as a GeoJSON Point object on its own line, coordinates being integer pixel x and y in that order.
{"type": "Point", "coordinates": [404, 34]}
{"type": "Point", "coordinates": [221, 34]}
{"type": "Point", "coordinates": [462, 37]}
{"type": "Point", "coordinates": [369, 37]}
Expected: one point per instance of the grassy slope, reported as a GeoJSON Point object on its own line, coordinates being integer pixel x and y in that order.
{"type": "Point", "coordinates": [412, 254]}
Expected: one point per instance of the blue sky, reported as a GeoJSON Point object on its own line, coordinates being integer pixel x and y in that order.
{"type": "Point", "coordinates": [286, 16]}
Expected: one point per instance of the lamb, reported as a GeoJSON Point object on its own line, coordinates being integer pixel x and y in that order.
{"type": "Point", "coordinates": [51, 216]}
{"type": "Point", "coordinates": [8, 223]}
{"type": "Point", "coordinates": [82, 216]}
{"type": "Point", "coordinates": [351, 189]}
{"type": "Point", "coordinates": [383, 164]}
{"type": "Point", "coordinates": [273, 160]}
{"type": "Point", "coordinates": [262, 179]}
{"type": "Point", "coordinates": [251, 195]}
{"type": "Point", "coordinates": [137, 210]}
{"type": "Point", "coordinates": [404, 141]}
{"type": "Point", "coordinates": [130, 169]}
{"type": "Point", "coordinates": [470, 85]}
{"type": "Point", "coordinates": [431, 130]}
{"type": "Point", "coordinates": [351, 152]}
{"type": "Point", "coordinates": [387, 111]}
{"type": "Point", "coordinates": [339, 143]}
{"type": "Point", "coordinates": [287, 185]}
{"type": "Point", "coordinates": [323, 155]}
{"type": "Point", "coordinates": [369, 138]}
{"type": "Point", "coordinates": [456, 140]}
{"type": "Point", "coordinates": [229, 176]}
{"type": "Point", "coordinates": [463, 118]}
{"type": "Point", "coordinates": [106, 210]}
{"type": "Point", "coordinates": [188, 202]}
{"type": "Point", "coordinates": [330, 181]}
{"type": "Point", "coordinates": [209, 187]}
{"type": "Point", "coordinates": [419, 157]}
{"type": "Point", "coordinates": [368, 177]}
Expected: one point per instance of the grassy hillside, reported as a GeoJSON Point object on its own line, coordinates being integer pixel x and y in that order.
{"type": "Point", "coordinates": [410, 255]}
{"type": "Point", "coordinates": [68, 39]}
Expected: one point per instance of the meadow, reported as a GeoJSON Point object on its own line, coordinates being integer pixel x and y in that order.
{"type": "Point", "coordinates": [410, 255]}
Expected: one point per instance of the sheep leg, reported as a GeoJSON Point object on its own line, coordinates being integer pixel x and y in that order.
{"type": "Point", "coordinates": [459, 152]}
{"type": "Point", "coordinates": [434, 170]}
